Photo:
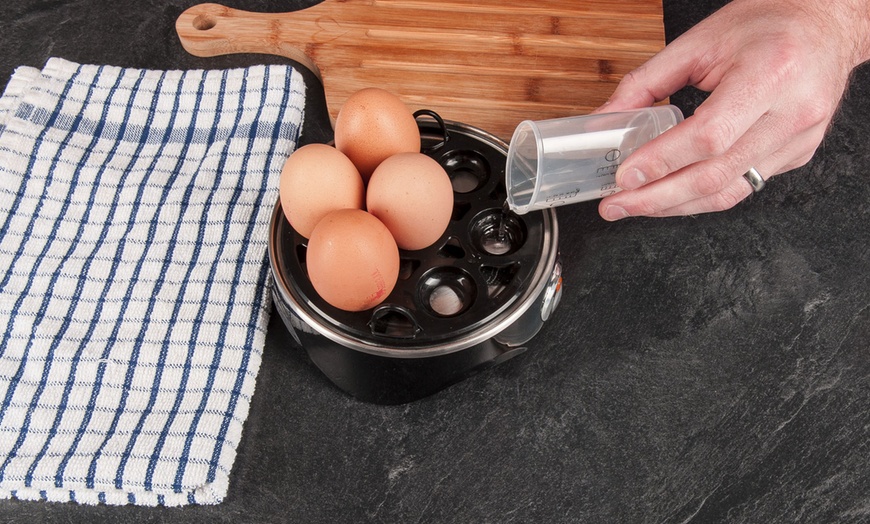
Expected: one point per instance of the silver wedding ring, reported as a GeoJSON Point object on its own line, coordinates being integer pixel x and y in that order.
{"type": "Point", "coordinates": [755, 179]}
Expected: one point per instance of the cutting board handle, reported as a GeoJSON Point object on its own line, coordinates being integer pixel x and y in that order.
{"type": "Point", "coordinates": [212, 29]}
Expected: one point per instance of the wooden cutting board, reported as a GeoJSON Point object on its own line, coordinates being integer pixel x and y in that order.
{"type": "Point", "coordinates": [488, 63]}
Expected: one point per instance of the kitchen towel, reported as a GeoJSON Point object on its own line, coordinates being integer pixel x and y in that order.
{"type": "Point", "coordinates": [134, 289]}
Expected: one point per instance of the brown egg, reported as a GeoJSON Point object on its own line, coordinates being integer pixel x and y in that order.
{"type": "Point", "coordinates": [372, 125]}
{"type": "Point", "coordinates": [315, 180]}
{"type": "Point", "coordinates": [353, 261]}
{"type": "Point", "coordinates": [412, 195]}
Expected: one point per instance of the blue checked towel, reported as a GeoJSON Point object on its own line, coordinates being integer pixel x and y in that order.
{"type": "Point", "coordinates": [134, 290]}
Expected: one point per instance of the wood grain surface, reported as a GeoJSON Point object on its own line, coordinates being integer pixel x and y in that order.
{"type": "Point", "coordinates": [488, 63]}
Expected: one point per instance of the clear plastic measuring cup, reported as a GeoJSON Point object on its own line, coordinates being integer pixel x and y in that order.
{"type": "Point", "coordinates": [565, 160]}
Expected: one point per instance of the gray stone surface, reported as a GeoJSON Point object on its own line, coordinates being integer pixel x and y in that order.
{"type": "Point", "coordinates": [706, 369]}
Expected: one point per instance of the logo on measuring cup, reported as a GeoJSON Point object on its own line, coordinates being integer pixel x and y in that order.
{"type": "Point", "coordinates": [613, 155]}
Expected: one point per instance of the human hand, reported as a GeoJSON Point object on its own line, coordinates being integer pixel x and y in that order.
{"type": "Point", "coordinates": [776, 71]}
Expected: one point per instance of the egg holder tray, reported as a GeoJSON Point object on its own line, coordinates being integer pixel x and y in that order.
{"type": "Point", "coordinates": [466, 302]}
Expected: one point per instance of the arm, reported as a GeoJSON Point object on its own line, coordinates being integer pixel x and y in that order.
{"type": "Point", "coordinates": [776, 71]}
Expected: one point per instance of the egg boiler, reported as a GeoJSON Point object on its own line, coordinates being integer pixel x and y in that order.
{"type": "Point", "coordinates": [470, 301]}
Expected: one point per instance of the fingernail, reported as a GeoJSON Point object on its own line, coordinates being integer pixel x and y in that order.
{"type": "Point", "coordinates": [632, 179]}
{"type": "Point", "coordinates": [615, 213]}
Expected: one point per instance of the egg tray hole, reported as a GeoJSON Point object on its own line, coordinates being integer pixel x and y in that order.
{"type": "Point", "coordinates": [454, 286]}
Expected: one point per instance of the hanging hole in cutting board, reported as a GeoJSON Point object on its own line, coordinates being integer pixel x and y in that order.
{"type": "Point", "coordinates": [204, 22]}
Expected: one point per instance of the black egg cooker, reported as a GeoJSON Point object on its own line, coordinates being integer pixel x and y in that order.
{"type": "Point", "coordinates": [472, 300]}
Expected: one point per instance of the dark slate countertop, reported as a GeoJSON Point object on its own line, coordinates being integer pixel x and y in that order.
{"type": "Point", "coordinates": [705, 369]}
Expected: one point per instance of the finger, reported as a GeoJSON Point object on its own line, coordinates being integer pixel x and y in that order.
{"type": "Point", "coordinates": [717, 124]}
{"type": "Point", "coordinates": [735, 192]}
{"type": "Point", "coordinates": [709, 185]}
{"type": "Point", "coordinates": [763, 141]}
{"type": "Point", "coordinates": [795, 154]}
